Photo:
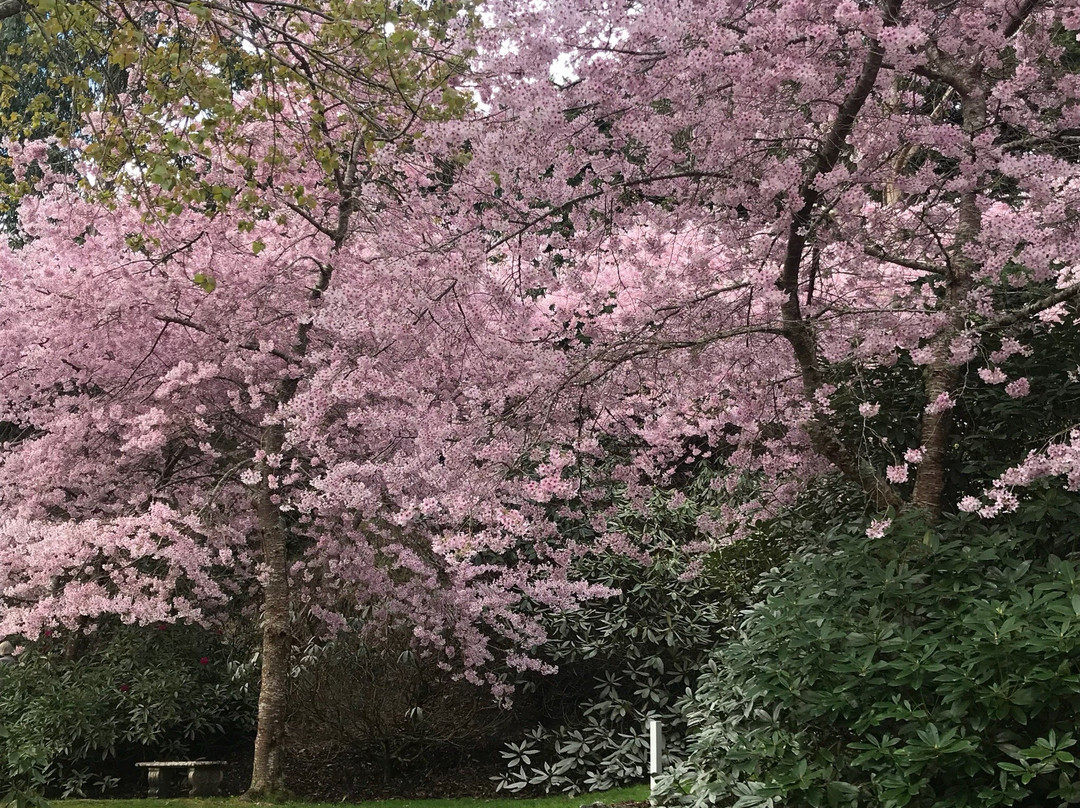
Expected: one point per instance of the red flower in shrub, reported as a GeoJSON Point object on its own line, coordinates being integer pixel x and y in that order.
{"type": "Point", "coordinates": [204, 660]}
{"type": "Point", "coordinates": [125, 688]}
{"type": "Point", "coordinates": [47, 632]}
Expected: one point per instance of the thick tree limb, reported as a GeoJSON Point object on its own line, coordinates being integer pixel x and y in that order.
{"type": "Point", "coordinates": [800, 332]}
{"type": "Point", "coordinates": [9, 8]}
{"type": "Point", "coordinates": [826, 442]}
{"type": "Point", "coordinates": [1022, 14]}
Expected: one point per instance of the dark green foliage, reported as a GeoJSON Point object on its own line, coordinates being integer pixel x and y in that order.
{"type": "Point", "coordinates": [621, 661]}
{"type": "Point", "coordinates": [76, 711]}
{"type": "Point", "coordinates": [369, 713]}
{"type": "Point", "coordinates": [34, 105]}
{"type": "Point", "coordinates": [631, 657]}
{"type": "Point", "coordinates": [936, 667]}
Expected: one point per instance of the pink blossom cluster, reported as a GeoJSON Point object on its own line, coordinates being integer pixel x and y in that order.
{"type": "Point", "coordinates": [1059, 459]}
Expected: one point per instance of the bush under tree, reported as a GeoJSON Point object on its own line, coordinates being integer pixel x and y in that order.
{"type": "Point", "coordinates": [635, 655]}
{"type": "Point", "coordinates": [936, 666]}
{"type": "Point", "coordinates": [77, 711]}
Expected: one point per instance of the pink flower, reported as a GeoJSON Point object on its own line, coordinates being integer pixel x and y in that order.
{"type": "Point", "coordinates": [868, 410]}
{"type": "Point", "coordinates": [969, 505]}
{"type": "Point", "coordinates": [992, 375]}
{"type": "Point", "coordinates": [878, 528]}
{"type": "Point", "coordinates": [1018, 388]}
{"type": "Point", "coordinates": [1009, 347]}
{"type": "Point", "coordinates": [1053, 315]}
{"type": "Point", "coordinates": [897, 474]}
{"type": "Point", "coordinates": [940, 404]}
{"type": "Point", "coordinates": [204, 660]}
{"type": "Point", "coordinates": [913, 455]}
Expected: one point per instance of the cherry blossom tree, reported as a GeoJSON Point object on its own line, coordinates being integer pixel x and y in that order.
{"type": "Point", "coordinates": [179, 453]}
{"type": "Point", "coordinates": [745, 214]}
{"type": "Point", "coordinates": [160, 317]}
{"type": "Point", "coordinates": [339, 360]}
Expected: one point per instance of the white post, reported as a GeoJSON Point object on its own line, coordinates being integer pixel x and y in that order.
{"type": "Point", "coordinates": [656, 752]}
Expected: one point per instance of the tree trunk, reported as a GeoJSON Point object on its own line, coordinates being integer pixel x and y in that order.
{"type": "Point", "coordinates": [936, 431]}
{"type": "Point", "coordinates": [268, 770]}
{"type": "Point", "coordinates": [943, 376]}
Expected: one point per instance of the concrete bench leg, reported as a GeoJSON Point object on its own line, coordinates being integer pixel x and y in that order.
{"type": "Point", "coordinates": [153, 782]}
{"type": "Point", "coordinates": [205, 781]}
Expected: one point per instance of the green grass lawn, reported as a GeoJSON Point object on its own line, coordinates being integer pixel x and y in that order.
{"type": "Point", "coordinates": [560, 801]}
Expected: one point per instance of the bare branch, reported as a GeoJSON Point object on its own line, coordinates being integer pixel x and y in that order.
{"type": "Point", "coordinates": [1031, 309]}
{"type": "Point", "coordinates": [876, 252]}
{"type": "Point", "coordinates": [247, 346]}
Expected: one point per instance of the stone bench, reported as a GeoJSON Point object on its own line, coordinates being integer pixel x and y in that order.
{"type": "Point", "coordinates": [203, 776]}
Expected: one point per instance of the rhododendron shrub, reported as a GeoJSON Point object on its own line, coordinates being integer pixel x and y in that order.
{"type": "Point", "coordinates": [633, 656]}
{"type": "Point", "coordinates": [78, 711]}
{"type": "Point", "coordinates": [933, 666]}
